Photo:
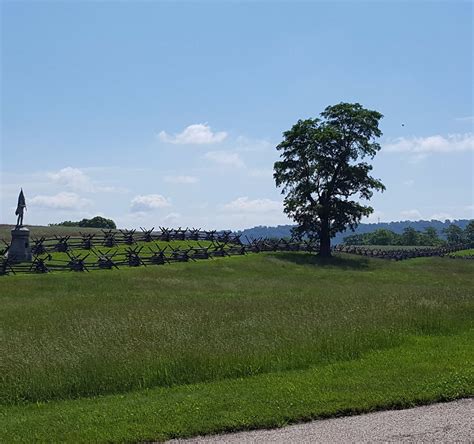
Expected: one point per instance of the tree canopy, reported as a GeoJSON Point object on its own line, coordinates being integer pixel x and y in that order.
{"type": "Point", "coordinates": [95, 222]}
{"type": "Point", "coordinates": [410, 236]}
{"type": "Point", "coordinates": [323, 172]}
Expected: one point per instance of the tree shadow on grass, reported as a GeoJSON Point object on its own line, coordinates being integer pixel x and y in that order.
{"type": "Point", "coordinates": [337, 261]}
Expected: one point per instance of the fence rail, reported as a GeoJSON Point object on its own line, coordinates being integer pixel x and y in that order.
{"type": "Point", "coordinates": [144, 255]}
{"type": "Point", "coordinates": [142, 249]}
{"type": "Point", "coordinates": [113, 238]}
{"type": "Point", "coordinates": [398, 253]}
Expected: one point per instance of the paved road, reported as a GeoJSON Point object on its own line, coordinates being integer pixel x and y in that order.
{"type": "Point", "coordinates": [446, 423]}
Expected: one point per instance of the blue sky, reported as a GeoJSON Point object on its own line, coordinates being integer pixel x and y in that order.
{"type": "Point", "coordinates": [167, 114]}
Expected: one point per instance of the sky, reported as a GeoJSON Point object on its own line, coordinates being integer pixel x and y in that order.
{"type": "Point", "coordinates": [168, 113]}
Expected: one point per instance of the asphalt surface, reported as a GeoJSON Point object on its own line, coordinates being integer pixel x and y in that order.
{"type": "Point", "coordinates": [451, 422]}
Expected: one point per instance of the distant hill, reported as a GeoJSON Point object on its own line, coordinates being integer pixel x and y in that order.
{"type": "Point", "coordinates": [397, 227]}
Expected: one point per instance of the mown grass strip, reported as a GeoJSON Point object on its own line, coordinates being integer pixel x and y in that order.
{"type": "Point", "coordinates": [426, 369]}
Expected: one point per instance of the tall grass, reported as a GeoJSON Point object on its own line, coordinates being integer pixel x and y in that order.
{"type": "Point", "coordinates": [69, 335]}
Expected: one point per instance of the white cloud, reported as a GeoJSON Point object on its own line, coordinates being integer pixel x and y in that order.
{"type": "Point", "coordinates": [432, 144]}
{"type": "Point", "coordinates": [264, 173]}
{"type": "Point", "coordinates": [225, 158]}
{"type": "Point", "coordinates": [181, 179]}
{"type": "Point", "coordinates": [76, 180]}
{"type": "Point", "coordinates": [409, 182]}
{"type": "Point", "coordinates": [244, 204]}
{"type": "Point", "coordinates": [465, 119]}
{"type": "Point", "coordinates": [254, 145]}
{"type": "Point", "coordinates": [60, 201]}
{"type": "Point", "coordinates": [197, 134]}
{"type": "Point", "coordinates": [148, 202]}
{"type": "Point", "coordinates": [441, 216]}
{"type": "Point", "coordinates": [72, 178]}
{"type": "Point", "coordinates": [172, 219]}
{"type": "Point", "coordinates": [410, 215]}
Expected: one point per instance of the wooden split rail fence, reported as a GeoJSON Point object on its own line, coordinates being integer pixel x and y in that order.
{"type": "Point", "coordinates": [114, 238]}
{"type": "Point", "coordinates": [99, 257]}
{"type": "Point", "coordinates": [142, 250]}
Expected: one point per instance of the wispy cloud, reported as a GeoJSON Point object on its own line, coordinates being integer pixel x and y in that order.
{"type": "Point", "coordinates": [72, 178]}
{"type": "Point", "coordinates": [60, 201]}
{"type": "Point", "coordinates": [148, 202]}
{"type": "Point", "coordinates": [432, 144]}
{"type": "Point", "coordinates": [225, 158]}
{"type": "Point", "coordinates": [469, 119]}
{"type": "Point", "coordinates": [410, 215]}
{"type": "Point", "coordinates": [244, 204]}
{"type": "Point", "coordinates": [196, 134]}
{"type": "Point", "coordinates": [253, 145]}
{"type": "Point", "coordinates": [263, 173]}
{"type": "Point", "coordinates": [172, 219]}
{"type": "Point", "coordinates": [76, 180]}
{"type": "Point", "coordinates": [441, 216]}
{"type": "Point", "coordinates": [181, 179]}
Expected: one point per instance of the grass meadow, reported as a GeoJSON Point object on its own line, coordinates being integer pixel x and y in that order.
{"type": "Point", "coordinates": [37, 231]}
{"type": "Point", "coordinates": [464, 253]}
{"type": "Point", "coordinates": [227, 344]}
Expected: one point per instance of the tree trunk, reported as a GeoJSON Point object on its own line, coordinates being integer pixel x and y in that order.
{"type": "Point", "coordinates": [324, 239]}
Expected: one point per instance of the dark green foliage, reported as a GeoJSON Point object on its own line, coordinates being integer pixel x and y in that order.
{"type": "Point", "coordinates": [357, 239]}
{"type": "Point", "coordinates": [429, 236]}
{"type": "Point", "coordinates": [98, 222]}
{"type": "Point", "coordinates": [363, 228]}
{"type": "Point", "coordinates": [469, 234]}
{"type": "Point", "coordinates": [454, 235]}
{"type": "Point", "coordinates": [323, 174]}
{"type": "Point", "coordinates": [382, 237]}
{"type": "Point", "coordinates": [95, 222]}
{"type": "Point", "coordinates": [409, 237]}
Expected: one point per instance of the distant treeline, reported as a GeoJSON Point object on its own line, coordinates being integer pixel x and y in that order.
{"type": "Point", "coordinates": [284, 231]}
{"type": "Point", "coordinates": [95, 222]}
{"type": "Point", "coordinates": [454, 235]}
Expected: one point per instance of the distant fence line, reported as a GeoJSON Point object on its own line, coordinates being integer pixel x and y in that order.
{"type": "Point", "coordinates": [400, 253]}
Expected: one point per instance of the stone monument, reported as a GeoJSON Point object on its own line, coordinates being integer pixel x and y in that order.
{"type": "Point", "coordinates": [20, 249]}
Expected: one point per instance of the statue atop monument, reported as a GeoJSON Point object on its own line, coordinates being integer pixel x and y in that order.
{"type": "Point", "coordinates": [20, 249]}
{"type": "Point", "coordinates": [20, 209]}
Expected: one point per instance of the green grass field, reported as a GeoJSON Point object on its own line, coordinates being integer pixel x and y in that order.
{"type": "Point", "coordinates": [233, 343]}
{"type": "Point", "coordinates": [464, 253]}
{"type": "Point", "coordinates": [37, 231]}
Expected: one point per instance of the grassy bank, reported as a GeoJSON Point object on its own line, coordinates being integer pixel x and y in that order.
{"type": "Point", "coordinates": [423, 370]}
{"type": "Point", "coordinates": [125, 338]}
{"type": "Point", "coordinates": [71, 335]}
{"type": "Point", "coordinates": [462, 253]}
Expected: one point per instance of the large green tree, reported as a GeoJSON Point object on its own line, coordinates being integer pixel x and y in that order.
{"type": "Point", "coordinates": [469, 233]}
{"type": "Point", "coordinates": [323, 172]}
{"type": "Point", "coordinates": [454, 235]}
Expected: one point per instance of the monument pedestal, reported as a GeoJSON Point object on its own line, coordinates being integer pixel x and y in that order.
{"type": "Point", "coordinates": [20, 249]}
